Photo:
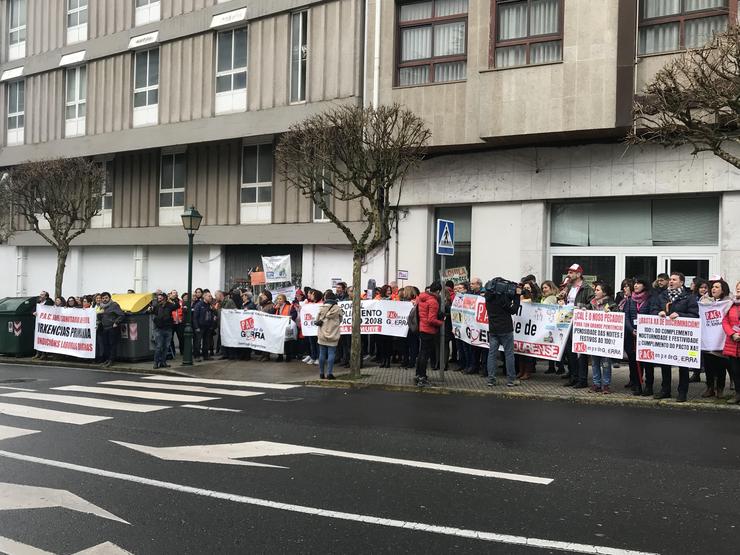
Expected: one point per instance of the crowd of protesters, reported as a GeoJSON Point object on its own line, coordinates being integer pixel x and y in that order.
{"type": "Point", "coordinates": [666, 296]}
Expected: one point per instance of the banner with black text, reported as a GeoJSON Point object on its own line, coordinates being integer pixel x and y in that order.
{"type": "Point", "coordinates": [65, 331]}
{"type": "Point", "coordinates": [253, 329]}
{"type": "Point", "coordinates": [378, 317]}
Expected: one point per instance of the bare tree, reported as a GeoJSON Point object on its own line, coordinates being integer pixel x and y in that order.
{"type": "Point", "coordinates": [360, 156]}
{"type": "Point", "coordinates": [695, 100]}
{"type": "Point", "coordinates": [57, 199]}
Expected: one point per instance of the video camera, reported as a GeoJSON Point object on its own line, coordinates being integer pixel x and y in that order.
{"type": "Point", "coordinates": [503, 287]}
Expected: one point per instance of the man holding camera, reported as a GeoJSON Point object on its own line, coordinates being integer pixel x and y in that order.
{"type": "Point", "coordinates": [502, 302]}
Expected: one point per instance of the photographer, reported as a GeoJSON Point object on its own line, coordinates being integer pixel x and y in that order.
{"type": "Point", "coordinates": [502, 302]}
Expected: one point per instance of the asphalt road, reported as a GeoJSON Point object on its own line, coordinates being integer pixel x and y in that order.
{"type": "Point", "coordinates": [573, 478]}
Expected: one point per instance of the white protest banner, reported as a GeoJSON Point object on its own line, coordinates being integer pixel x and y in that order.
{"type": "Point", "coordinates": [378, 318]}
{"type": "Point", "coordinates": [669, 342]}
{"type": "Point", "coordinates": [712, 334]}
{"type": "Point", "coordinates": [540, 330]}
{"type": "Point", "coordinates": [65, 331]}
{"type": "Point", "coordinates": [254, 330]}
{"type": "Point", "coordinates": [277, 268]}
{"type": "Point", "coordinates": [289, 292]}
{"type": "Point", "coordinates": [598, 333]}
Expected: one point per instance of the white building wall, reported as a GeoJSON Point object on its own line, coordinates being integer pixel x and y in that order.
{"type": "Point", "coordinates": [41, 268]}
{"type": "Point", "coordinates": [322, 264]}
{"type": "Point", "coordinates": [106, 269]}
{"type": "Point", "coordinates": [8, 277]}
{"type": "Point", "coordinates": [415, 235]}
{"type": "Point", "coordinates": [730, 238]}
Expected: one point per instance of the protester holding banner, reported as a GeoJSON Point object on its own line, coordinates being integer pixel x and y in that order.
{"type": "Point", "coordinates": [525, 365]}
{"type": "Point", "coordinates": [314, 297]}
{"type": "Point", "coordinates": [110, 318]}
{"type": "Point", "coordinates": [731, 327]}
{"type": "Point", "coordinates": [384, 343]}
{"type": "Point", "coordinates": [602, 366]}
{"type": "Point", "coordinates": [637, 303]}
{"type": "Point", "coordinates": [328, 321]}
{"type": "Point", "coordinates": [284, 308]}
{"type": "Point", "coordinates": [713, 306]}
{"type": "Point", "coordinates": [675, 302]}
{"type": "Point", "coordinates": [577, 293]}
{"type": "Point", "coordinates": [429, 325]}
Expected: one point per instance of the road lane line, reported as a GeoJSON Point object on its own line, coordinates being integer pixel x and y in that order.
{"type": "Point", "coordinates": [205, 407]}
{"type": "Point", "coordinates": [338, 515]}
{"type": "Point", "coordinates": [85, 402]}
{"type": "Point", "coordinates": [260, 385]}
{"type": "Point", "coordinates": [35, 413]}
{"type": "Point", "coordinates": [12, 547]}
{"type": "Point", "coordinates": [192, 388]}
{"type": "Point", "coordinates": [15, 388]}
{"type": "Point", "coordinates": [136, 394]}
{"type": "Point", "coordinates": [8, 432]}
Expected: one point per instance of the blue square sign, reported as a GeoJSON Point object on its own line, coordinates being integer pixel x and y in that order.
{"type": "Point", "coordinates": [445, 237]}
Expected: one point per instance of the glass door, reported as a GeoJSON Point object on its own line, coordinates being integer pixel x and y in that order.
{"type": "Point", "coordinates": [699, 266]}
{"type": "Point", "coordinates": [641, 266]}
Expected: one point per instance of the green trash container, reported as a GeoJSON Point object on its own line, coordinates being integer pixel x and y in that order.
{"type": "Point", "coordinates": [17, 325]}
{"type": "Point", "coordinates": [137, 332]}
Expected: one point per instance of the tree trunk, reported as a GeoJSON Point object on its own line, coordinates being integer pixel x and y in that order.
{"type": "Point", "coordinates": [356, 352]}
{"type": "Point", "coordinates": [61, 264]}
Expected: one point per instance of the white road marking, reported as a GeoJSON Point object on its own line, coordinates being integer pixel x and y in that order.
{"type": "Point", "coordinates": [230, 453]}
{"type": "Point", "coordinates": [262, 385]}
{"type": "Point", "coordinates": [24, 411]}
{"type": "Point", "coordinates": [15, 496]}
{"type": "Point", "coordinates": [12, 547]}
{"type": "Point", "coordinates": [325, 513]}
{"type": "Point", "coordinates": [106, 548]}
{"type": "Point", "coordinates": [170, 454]}
{"type": "Point", "coordinates": [15, 388]}
{"type": "Point", "coordinates": [85, 402]}
{"type": "Point", "coordinates": [136, 394]}
{"type": "Point", "coordinates": [204, 407]}
{"type": "Point", "coordinates": [6, 432]}
{"type": "Point", "coordinates": [193, 388]}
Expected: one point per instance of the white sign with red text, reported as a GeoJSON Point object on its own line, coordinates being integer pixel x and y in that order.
{"type": "Point", "coordinates": [540, 330]}
{"type": "Point", "coordinates": [378, 318]}
{"type": "Point", "coordinates": [663, 341]}
{"type": "Point", "coordinates": [598, 333]}
{"type": "Point", "coordinates": [65, 331]}
{"type": "Point", "coordinates": [252, 329]}
{"type": "Point", "coordinates": [712, 334]}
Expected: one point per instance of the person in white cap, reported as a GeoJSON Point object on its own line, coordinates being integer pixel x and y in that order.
{"type": "Point", "coordinates": [577, 293]}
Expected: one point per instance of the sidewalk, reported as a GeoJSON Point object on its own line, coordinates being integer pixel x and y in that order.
{"type": "Point", "coordinates": [541, 386]}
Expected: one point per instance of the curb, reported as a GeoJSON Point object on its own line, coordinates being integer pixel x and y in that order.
{"type": "Point", "coordinates": [593, 400]}
{"type": "Point", "coordinates": [87, 366]}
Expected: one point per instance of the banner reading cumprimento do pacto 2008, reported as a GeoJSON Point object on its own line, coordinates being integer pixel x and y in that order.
{"type": "Point", "coordinates": [540, 330]}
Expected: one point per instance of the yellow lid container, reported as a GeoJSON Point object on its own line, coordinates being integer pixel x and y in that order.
{"type": "Point", "coordinates": [133, 302]}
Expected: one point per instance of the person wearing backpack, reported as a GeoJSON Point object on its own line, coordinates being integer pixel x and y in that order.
{"type": "Point", "coordinates": [329, 321]}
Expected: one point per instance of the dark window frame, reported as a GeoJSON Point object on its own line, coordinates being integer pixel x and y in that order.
{"type": "Point", "coordinates": [527, 41]}
{"type": "Point", "coordinates": [681, 18]}
{"type": "Point", "coordinates": [433, 60]}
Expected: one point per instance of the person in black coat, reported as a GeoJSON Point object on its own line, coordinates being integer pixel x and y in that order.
{"type": "Point", "coordinates": [676, 301]}
{"type": "Point", "coordinates": [501, 306]}
{"type": "Point", "coordinates": [164, 325]}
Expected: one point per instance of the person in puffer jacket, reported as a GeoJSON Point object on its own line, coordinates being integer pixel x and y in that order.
{"type": "Point", "coordinates": [427, 306]}
{"type": "Point", "coordinates": [731, 327]}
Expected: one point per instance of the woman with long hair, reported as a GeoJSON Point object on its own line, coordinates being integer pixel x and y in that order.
{"type": "Point", "coordinates": [714, 363]}
{"type": "Point", "coordinates": [637, 303]}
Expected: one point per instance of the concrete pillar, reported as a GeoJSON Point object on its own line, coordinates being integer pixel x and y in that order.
{"type": "Point", "coordinates": [415, 232]}
{"type": "Point", "coordinates": [21, 271]}
{"type": "Point", "coordinates": [730, 238]}
{"type": "Point", "coordinates": [141, 261]}
{"type": "Point", "coordinates": [216, 267]}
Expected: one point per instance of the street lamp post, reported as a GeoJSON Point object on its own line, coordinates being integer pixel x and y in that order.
{"type": "Point", "coordinates": [191, 219]}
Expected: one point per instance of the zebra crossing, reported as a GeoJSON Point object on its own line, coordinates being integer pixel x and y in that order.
{"type": "Point", "coordinates": [149, 395]}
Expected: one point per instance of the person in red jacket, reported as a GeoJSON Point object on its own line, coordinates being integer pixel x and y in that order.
{"type": "Point", "coordinates": [731, 327]}
{"type": "Point", "coordinates": [427, 306]}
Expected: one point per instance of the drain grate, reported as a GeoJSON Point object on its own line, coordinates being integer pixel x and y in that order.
{"type": "Point", "coordinates": [18, 380]}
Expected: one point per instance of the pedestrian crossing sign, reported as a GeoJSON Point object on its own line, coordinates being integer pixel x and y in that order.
{"type": "Point", "coordinates": [445, 237]}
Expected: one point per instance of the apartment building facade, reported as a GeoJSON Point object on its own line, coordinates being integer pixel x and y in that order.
{"type": "Point", "coordinates": [528, 102]}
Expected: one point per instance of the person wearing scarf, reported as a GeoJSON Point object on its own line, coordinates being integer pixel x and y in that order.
{"type": "Point", "coordinates": [601, 367]}
{"type": "Point", "coordinates": [634, 305]}
{"type": "Point", "coordinates": [731, 327]}
{"type": "Point", "coordinates": [675, 302]}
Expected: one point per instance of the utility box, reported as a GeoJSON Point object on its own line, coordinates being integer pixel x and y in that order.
{"type": "Point", "coordinates": [137, 332]}
{"type": "Point", "coordinates": [17, 323]}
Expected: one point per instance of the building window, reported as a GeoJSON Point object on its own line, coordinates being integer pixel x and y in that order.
{"type": "Point", "coordinates": [256, 190]}
{"type": "Point", "coordinates": [16, 29]}
{"type": "Point", "coordinates": [76, 21]}
{"type": "Point", "coordinates": [670, 25]}
{"type": "Point", "coordinates": [76, 102]}
{"type": "Point", "coordinates": [16, 112]}
{"type": "Point", "coordinates": [432, 41]}
{"type": "Point", "coordinates": [172, 188]}
{"type": "Point", "coordinates": [298, 55]}
{"type": "Point", "coordinates": [231, 71]}
{"type": "Point", "coordinates": [527, 32]}
{"type": "Point", "coordinates": [318, 213]}
{"type": "Point", "coordinates": [146, 87]}
{"type": "Point", "coordinates": [104, 217]}
{"type": "Point", "coordinates": [146, 12]}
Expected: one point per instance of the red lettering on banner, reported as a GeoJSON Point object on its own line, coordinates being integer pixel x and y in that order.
{"type": "Point", "coordinates": [646, 354]}
{"type": "Point", "coordinates": [537, 349]}
{"type": "Point", "coordinates": [481, 314]}
{"type": "Point", "coordinates": [714, 315]}
{"type": "Point", "coordinates": [579, 347]}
